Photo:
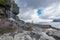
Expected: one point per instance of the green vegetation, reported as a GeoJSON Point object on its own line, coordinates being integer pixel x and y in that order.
{"type": "Point", "coordinates": [5, 31]}
{"type": "Point", "coordinates": [2, 1]}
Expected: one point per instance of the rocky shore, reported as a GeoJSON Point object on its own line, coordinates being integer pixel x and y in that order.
{"type": "Point", "coordinates": [12, 28]}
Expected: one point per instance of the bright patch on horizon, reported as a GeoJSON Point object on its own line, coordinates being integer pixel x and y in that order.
{"type": "Point", "coordinates": [39, 12]}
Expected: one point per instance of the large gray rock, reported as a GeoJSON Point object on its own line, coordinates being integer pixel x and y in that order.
{"type": "Point", "coordinates": [19, 36]}
{"type": "Point", "coordinates": [44, 36]}
{"type": "Point", "coordinates": [6, 37]}
{"type": "Point", "coordinates": [15, 8]}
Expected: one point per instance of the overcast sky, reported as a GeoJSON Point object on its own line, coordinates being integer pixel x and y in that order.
{"type": "Point", "coordinates": [39, 10]}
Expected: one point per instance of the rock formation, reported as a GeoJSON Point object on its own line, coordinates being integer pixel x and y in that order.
{"type": "Point", "coordinates": [8, 9]}
{"type": "Point", "coordinates": [12, 28]}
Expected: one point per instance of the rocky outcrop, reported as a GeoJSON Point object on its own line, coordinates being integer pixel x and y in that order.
{"type": "Point", "coordinates": [8, 8]}
{"type": "Point", "coordinates": [12, 28]}
{"type": "Point", "coordinates": [7, 26]}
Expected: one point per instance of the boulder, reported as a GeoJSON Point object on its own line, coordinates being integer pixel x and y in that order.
{"type": "Point", "coordinates": [7, 26]}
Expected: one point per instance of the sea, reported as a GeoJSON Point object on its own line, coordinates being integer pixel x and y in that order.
{"type": "Point", "coordinates": [53, 24]}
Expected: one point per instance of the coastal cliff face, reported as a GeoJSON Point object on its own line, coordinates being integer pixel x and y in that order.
{"type": "Point", "coordinates": [12, 28]}
{"type": "Point", "coordinates": [8, 9]}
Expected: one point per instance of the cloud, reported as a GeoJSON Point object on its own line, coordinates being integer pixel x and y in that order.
{"type": "Point", "coordinates": [50, 10]}
{"type": "Point", "coordinates": [35, 18]}
{"type": "Point", "coordinates": [35, 3]}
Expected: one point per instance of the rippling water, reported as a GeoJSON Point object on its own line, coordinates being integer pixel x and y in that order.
{"type": "Point", "coordinates": [54, 24]}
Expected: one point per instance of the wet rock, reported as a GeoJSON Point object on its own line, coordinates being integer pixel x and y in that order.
{"type": "Point", "coordinates": [6, 37]}
{"type": "Point", "coordinates": [7, 26]}
{"type": "Point", "coordinates": [27, 37]}
{"type": "Point", "coordinates": [34, 35]}
{"type": "Point", "coordinates": [44, 36]}
{"type": "Point", "coordinates": [19, 36]}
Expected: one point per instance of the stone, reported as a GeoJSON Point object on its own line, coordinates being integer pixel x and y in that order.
{"type": "Point", "coordinates": [19, 36]}
{"type": "Point", "coordinates": [6, 37]}
{"type": "Point", "coordinates": [15, 8]}
{"type": "Point", "coordinates": [27, 37]}
{"type": "Point", "coordinates": [7, 26]}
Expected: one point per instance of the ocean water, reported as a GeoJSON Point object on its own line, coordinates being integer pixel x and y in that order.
{"type": "Point", "coordinates": [53, 24]}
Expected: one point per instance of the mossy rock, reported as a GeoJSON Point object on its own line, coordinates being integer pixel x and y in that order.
{"type": "Point", "coordinates": [6, 31]}
{"type": "Point", "coordinates": [2, 2]}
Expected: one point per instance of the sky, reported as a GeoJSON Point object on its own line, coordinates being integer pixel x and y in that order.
{"type": "Point", "coordinates": [39, 10]}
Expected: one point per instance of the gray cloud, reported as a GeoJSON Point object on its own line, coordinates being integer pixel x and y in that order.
{"type": "Point", "coordinates": [36, 3]}
{"type": "Point", "coordinates": [27, 5]}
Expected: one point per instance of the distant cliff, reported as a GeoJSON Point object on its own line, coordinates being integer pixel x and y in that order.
{"type": "Point", "coordinates": [56, 20]}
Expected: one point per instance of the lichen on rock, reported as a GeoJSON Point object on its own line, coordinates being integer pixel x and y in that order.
{"type": "Point", "coordinates": [2, 1]}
